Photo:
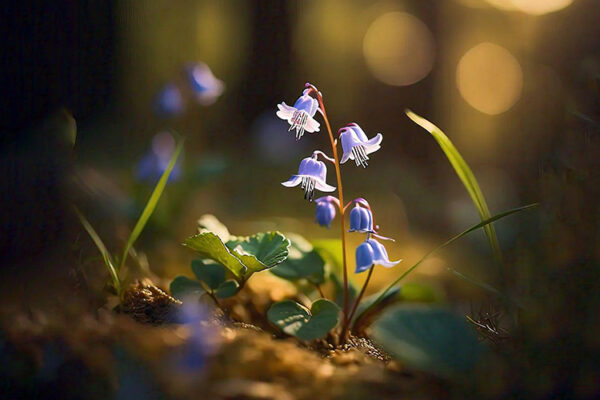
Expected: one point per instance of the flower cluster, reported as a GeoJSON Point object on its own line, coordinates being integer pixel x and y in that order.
{"type": "Point", "coordinates": [312, 175]}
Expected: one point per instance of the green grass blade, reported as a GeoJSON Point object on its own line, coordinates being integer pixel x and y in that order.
{"type": "Point", "coordinates": [446, 243]}
{"type": "Point", "coordinates": [466, 176]}
{"type": "Point", "coordinates": [484, 286]}
{"type": "Point", "coordinates": [151, 205]}
{"type": "Point", "coordinates": [102, 248]}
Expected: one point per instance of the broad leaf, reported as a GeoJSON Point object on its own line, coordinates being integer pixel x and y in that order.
{"type": "Point", "coordinates": [227, 289]}
{"type": "Point", "coordinates": [296, 320]}
{"type": "Point", "coordinates": [302, 263]}
{"type": "Point", "coordinates": [260, 251]}
{"type": "Point", "coordinates": [182, 287]}
{"type": "Point", "coordinates": [209, 245]}
{"type": "Point", "coordinates": [466, 176]}
{"type": "Point", "coordinates": [430, 339]}
{"type": "Point", "coordinates": [211, 274]}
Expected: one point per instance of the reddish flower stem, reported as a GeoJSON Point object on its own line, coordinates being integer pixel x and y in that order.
{"type": "Point", "coordinates": [344, 333]}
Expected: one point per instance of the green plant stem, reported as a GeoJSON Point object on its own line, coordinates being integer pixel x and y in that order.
{"type": "Point", "coordinates": [362, 292]}
{"type": "Point", "coordinates": [446, 243]}
{"type": "Point", "coordinates": [342, 221]}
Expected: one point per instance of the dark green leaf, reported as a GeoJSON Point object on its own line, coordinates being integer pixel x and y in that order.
{"type": "Point", "coordinates": [182, 287]}
{"type": "Point", "coordinates": [325, 317]}
{"type": "Point", "coordinates": [227, 289]}
{"type": "Point", "coordinates": [295, 319]}
{"type": "Point", "coordinates": [211, 274]}
{"type": "Point", "coordinates": [431, 339]}
{"type": "Point", "coordinates": [209, 245]}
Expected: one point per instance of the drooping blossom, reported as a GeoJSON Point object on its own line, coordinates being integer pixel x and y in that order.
{"type": "Point", "coordinates": [356, 145]}
{"type": "Point", "coordinates": [311, 175]}
{"type": "Point", "coordinates": [372, 252]}
{"type": "Point", "coordinates": [205, 87]}
{"type": "Point", "coordinates": [325, 210]}
{"type": "Point", "coordinates": [361, 219]}
{"type": "Point", "coordinates": [300, 115]}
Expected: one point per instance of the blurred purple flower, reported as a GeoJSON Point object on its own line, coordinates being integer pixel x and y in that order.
{"type": "Point", "coordinates": [169, 101]}
{"type": "Point", "coordinates": [311, 175]}
{"type": "Point", "coordinates": [300, 116]}
{"type": "Point", "coordinates": [356, 145]}
{"type": "Point", "coordinates": [372, 252]}
{"type": "Point", "coordinates": [205, 87]}
{"type": "Point", "coordinates": [203, 338]}
{"type": "Point", "coordinates": [155, 162]}
{"type": "Point", "coordinates": [325, 212]}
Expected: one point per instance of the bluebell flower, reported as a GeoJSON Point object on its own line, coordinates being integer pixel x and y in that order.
{"type": "Point", "coordinates": [169, 101]}
{"type": "Point", "coordinates": [325, 212]}
{"type": "Point", "coordinates": [361, 219]}
{"type": "Point", "coordinates": [155, 162]}
{"type": "Point", "coordinates": [356, 145]}
{"type": "Point", "coordinates": [205, 87]}
{"type": "Point", "coordinates": [311, 175]}
{"type": "Point", "coordinates": [372, 252]}
{"type": "Point", "coordinates": [300, 116]}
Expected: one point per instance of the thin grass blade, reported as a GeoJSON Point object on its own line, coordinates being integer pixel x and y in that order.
{"type": "Point", "coordinates": [151, 204]}
{"type": "Point", "coordinates": [466, 176]}
{"type": "Point", "coordinates": [102, 248]}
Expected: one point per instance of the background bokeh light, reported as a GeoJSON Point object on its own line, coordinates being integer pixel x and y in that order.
{"type": "Point", "coordinates": [533, 7]}
{"type": "Point", "coordinates": [399, 49]}
{"type": "Point", "coordinates": [489, 78]}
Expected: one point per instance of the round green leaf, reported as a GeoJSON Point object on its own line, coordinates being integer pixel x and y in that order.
{"type": "Point", "coordinates": [182, 286]}
{"type": "Point", "coordinates": [227, 289]}
{"type": "Point", "coordinates": [431, 339]}
{"type": "Point", "coordinates": [296, 320]}
{"type": "Point", "coordinates": [211, 274]}
{"type": "Point", "coordinates": [325, 316]}
{"type": "Point", "coordinates": [288, 315]}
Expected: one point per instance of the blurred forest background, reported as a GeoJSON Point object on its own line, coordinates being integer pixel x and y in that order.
{"type": "Point", "coordinates": [513, 83]}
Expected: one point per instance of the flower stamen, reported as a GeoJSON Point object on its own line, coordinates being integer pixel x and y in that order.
{"type": "Point", "coordinates": [360, 155]}
{"type": "Point", "coordinates": [298, 122]}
